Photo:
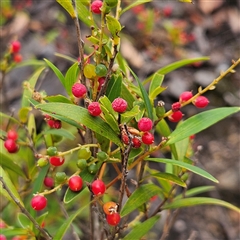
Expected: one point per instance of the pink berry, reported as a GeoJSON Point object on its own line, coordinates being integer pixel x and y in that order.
{"type": "Point", "coordinates": [11, 146]}
{"type": "Point", "coordinates": [176, 106]}
{"type": "Point", "coordinates": [94, 109]}
{"type": "Point", "coordinates": [15, 46]}
{"type": "Point", "coordinates": [12, 134]}
{"type": "Point", "coordinates": [201, 102]}
{"type": "Point", "coordinates": [50, 123]}
{"type": "Point", "coordinates": [2, 237]}
{"type": "Point", "coordinates": [119, 105]}
{"type": "Point", "coordinates": [79, 90]}
{"type": "Point", "coordinates": [38, 202]}
{"type": "Point", "coordinates": [2, 224]}
{"type": "Point", "coordinates": [98, 187]}
{"type": "Point", "coordinates": [113, 219]}
{"type": "Point", "coordinates": [145, 124]}
{"type": "Point", "coordinates": [57, 161]}
{"type": "Point", "coordinates": [101, 81]}
{"type": "Point", "coordinates": [48, 182]}
{"type": "Point", "coordinates": [57, 124]}
{"type": "Point", "coordinates": [185, 96]}
{"type": "Point", "coordinates": [125, 138]}
{"type": "Point", "coordinates": [17, 58]}
{"type": "Point", "coordinates": [75, 183]}
{"type": "Point", "coordinates": [136, 142]}
{"type": "Point", "coordinates": [148, 138]}
{"type": "Point", "coordinates": [175, 116]}
{"type": "Point", "coordinates": [95, 6]}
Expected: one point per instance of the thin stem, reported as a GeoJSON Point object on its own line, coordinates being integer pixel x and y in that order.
{"type": "Point", "coordinates": [101, 38]}
{"type": "Point", "coordinates": [24, 210]}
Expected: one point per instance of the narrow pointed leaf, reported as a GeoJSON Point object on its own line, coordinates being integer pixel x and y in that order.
{"type": "Point", "coordinates": [191, 168]}
{"type": "Point", "coordinates": [80, 115]}
{"type": "Point", "coordinates": [114, 88]}
{"type": "Point", "coordinates": [67, 5]}
{"type": "Point", "coordinates": [57, 98]}
{"type": "Point", "coordinates": [134, 4]}
{"type": "Point", "coordinates": [194, 201]}
{"type": "Point", "coordinates": [141, 229]}
{"type": "Point", "coordinates": [71, 77]}
{"type": "Point", "coordinates": [60, 132]}
{"type": "Point", "coordinates": [83, 13]}
{"type": "Point", "coordinates": [199, 122]}
{"type": "Point", "coordinates": [139, 197]}
{"type": "Point", "coordinates": [156, 83]}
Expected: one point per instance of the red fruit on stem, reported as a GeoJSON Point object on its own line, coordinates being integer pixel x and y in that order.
{"type": "Point", "coordinates": [57, 124]}
{"type": "Point", "coordinates": [185, 96]}
{"type": "Point", "coordinates": [48, 182]}
{"type": "Point", "coordinates": [176, 106]}
{"type": "Point", "coordinates": [2, 237]}
{"type": "Point", "coordinates": [75, 183]}
{"type": "Point", "coordinates": [57, 161]}
{"type": "Point", "coordinates": [125, 138]}
{"type": "Point", "coordinates": [119, 105]}
{"type": "Point", "coordinates": [38, 202]}
{"type": "Point", "coordinates": [113, 219]}
{"type": "Point", "coordinates": [94, 109]}
{"type": "Point", "coordinates": [95, 6]}
{"type": "Point", "coordinates": [79, 90]}
{"type": "Point", "coordinates": [12, 134]}
{"type": "Point", "coordinates": [50, 123]}
{"type": "Point", "coordinates": [175, 116]}
{"type": "Point", "coordinates": [148, 138]}
{"type": "Point", "coordinates": [110, 207]}
{"type": "Point", "coordinates": [98, 187]}
{"type": "Point", "coordinates": [145, 124]}
{"type": "Point", "coordinates": [17, 58]}
{"type": "Point", "coordinates": [15, 46]}
{"type": "Point", "coordinates": [201, 102]}
{"type": "Point", "coordinates": [11, 146]}
{"type": "Point", "coordinates": [136, 142]}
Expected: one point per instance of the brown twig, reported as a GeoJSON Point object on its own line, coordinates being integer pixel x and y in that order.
{"type": "Point", "coordinates": [24, 211]}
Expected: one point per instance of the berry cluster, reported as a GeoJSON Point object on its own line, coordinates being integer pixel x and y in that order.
{"type": "Point", "coordinates": [199, 102]}
{"type": "Point", "coordinates": [15, 48]}
{"type": "Point", "coordinates": [53, 123]}
{"type": "Point", "coordinates": [10, 143]}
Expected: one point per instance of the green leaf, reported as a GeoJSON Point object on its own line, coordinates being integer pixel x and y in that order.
{"type": "Point", "coordinates": [3, 115]}
{"type": "Point", "coordinates": [199, 122]}
{"type": "Point", "coordinates": [113, 26]}
{"type": "Point", "coordinates": [83, 13]}
{"type": "Point", "coordinates": [32, 62]}
{"type": "Point", "coordinates": [7, 162]}
{"type": "Point", "coordinates": [12, 232]}
{"type": "Point", "coordinates": [128, 115]}
{"type": "Point", "coordinates": [144, 95]}
{"type": "Point", "coordinates": [191, 168]}
{"type": "Point", "coordinates": [194, 201]}
{"type": "Point", "coordinates": [38, 181]}
{"type": "Point", "coordinates": [155, 86]}
{"type": "Point", "coordinates": [24, 220]}
{"type": "Point", "coordinates": [114, 88]}
{"type": "Point", "coordinates": [141, 229]}
{"type": "Point", "coordinates": [127, 95]}
{"type": "Point", "coordinates": [195, 191]}
{"type": "Point", "coordinates": [56, 71]}
{"type": "Point", "coordinates": [62, 230]}
{"type": "Point", "coordinates": [71, 77]}
{"type": "Point", "coordinates": [73, 60]}
{"type": "Point", "coordinates": [57, 98]}
{"type": "Point", "coordinates": [136, 3]}
{"type": "Point", "coordinates": [27, 94]}
{"type": "Point", "coordinates": [31, 126]}
{"type": "Point", "coordinates": [67, 5]}
{"type": "Point", "coordinates": [168, 177]}
{"type": "Point", "coordinates": [80, 115]}
{"type": "Point", "coordinates": [60, 132]}
{"type": "Point", "coordinates": [10, 185]}
{"type": "Point", "coordinates": [139, 197]}
{"type": "Point", "coordinates": [173, 66]}
{"type": "Point", "coordinates": [181, 148]}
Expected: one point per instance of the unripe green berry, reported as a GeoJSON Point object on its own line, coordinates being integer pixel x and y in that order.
{"type": "Point", "coordinates": [82, 164]}
{"type": "Point", "coordinates": [84, 153]}
{"type": "Point", "coordinates": [102, 156]}
{"type": "Point", "coordinates": [101, 70]}
{"type": "Point", "coordinates": [93, 168]}
{"type": "Point", "coordinates": [42, 162]}
{"type": "Point", "coordinates": [52, 151]}
{"type": "Point", "coordinates": [60, 177]}
{"type": "Point", "coordinates": [160, 109]}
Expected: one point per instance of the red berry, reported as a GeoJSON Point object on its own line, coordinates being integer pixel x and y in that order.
{"type": "Point", "coordinates": [57, 124]}
{"type": "Point", "coordinates": [119, 105]}
{"type": "Point", "coordinates": [98, 187]}
{"type": "Point", "coordinates": [113, 219]}
{"type": "Point", "coordinates": [17, 58]}
{"type": "Point", "coordinates": [125, 138]}
{"type": "Point", "coordinates": [38, 202]}
{"type": "Point", "coordinates": [51, 123]}
{"type": "Point", "coordinates": [175, 116]}
{"type": "Point", "coordinates": [201, 102]}
{"type": "Point", "coordinates": [12, 134]}
{"type": "Point", "coordinates": [79, 90]}
{"type": "Point", "coordinates": [110, 207]}
{"type": "Point", "coordinates": [136, 142]}
{"type": "Point", "coordinates": [94, 109]}
{"type": "Point", "coordinates": [167, 11]}
{"type": "Point", "coordinates": [95, 6]}
{"type": "Point", "coordinates": [11, 146]}
{"type": "Point", "coordinates": [15, 46]}
{"type": "Point", "coordinates": [2, 224]}
{"type": "Point", "coordinates": [145, 124]}
{"type": "Point", "coordinates": [48, 182]}
{"type": "Point", "coordinates": [185, 96]}
{"type": "Point", "coordinates": [56, 161]}
{"type": "Point", "coordinates": [75, 183]}
{"type": "Point", "coordinates": [176, 106]}
{"type": "Point", "coordinates": [101, 81]}
{"type": "Point", "coordinates": [147, 138]}
{"type": "Point", "coordinates": [2, 237]}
